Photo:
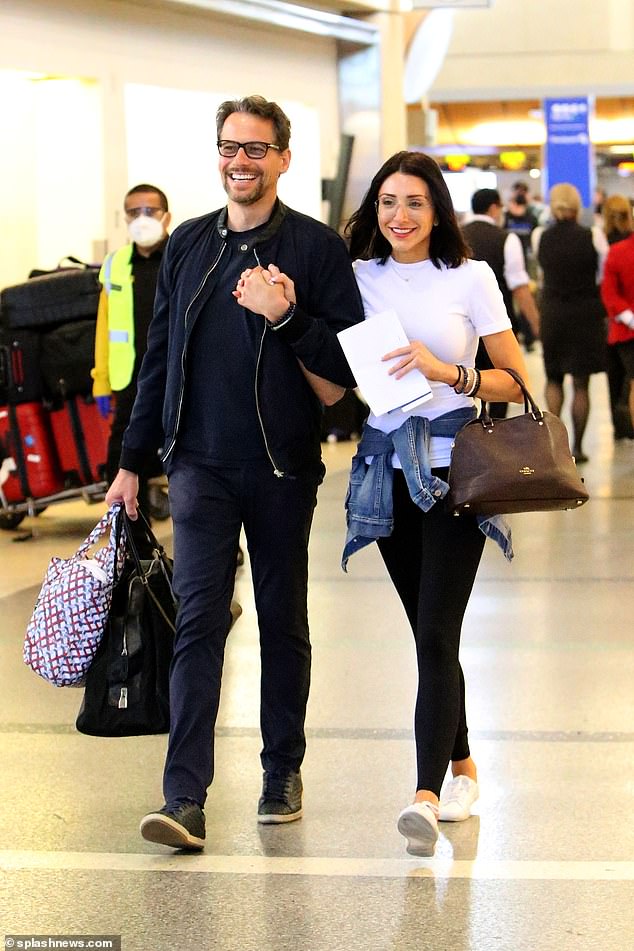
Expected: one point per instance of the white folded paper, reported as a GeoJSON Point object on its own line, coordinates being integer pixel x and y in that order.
{"type": "Point", "coordinates": [364, 345]}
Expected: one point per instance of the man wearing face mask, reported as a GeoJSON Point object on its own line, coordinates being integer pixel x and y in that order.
{"type": "Point", "coordinates": [128, 277]}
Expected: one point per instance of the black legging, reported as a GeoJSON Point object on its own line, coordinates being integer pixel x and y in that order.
{"type": "Point", "coordinates": [432, 558]}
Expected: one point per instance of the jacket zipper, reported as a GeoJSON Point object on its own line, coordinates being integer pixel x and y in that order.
{"type": "Point", "coordinates": [182, 390]}
{"type": "Point", "coordinates": [276, 470]}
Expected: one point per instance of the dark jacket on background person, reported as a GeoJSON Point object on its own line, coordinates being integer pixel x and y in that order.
{"type": "Point", "coordinates": [569, 261]}
{"type": "Point", "coordinates": [328, 300]}
{"type": "Point", "coordinates": [487, 241]}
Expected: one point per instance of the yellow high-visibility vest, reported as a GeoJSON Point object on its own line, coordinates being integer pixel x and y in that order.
{"type": "Point", "coordinates": [117, 280]}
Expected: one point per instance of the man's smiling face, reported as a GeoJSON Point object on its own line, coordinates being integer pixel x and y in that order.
{"type": "Point", "coordinates": [248, 181]}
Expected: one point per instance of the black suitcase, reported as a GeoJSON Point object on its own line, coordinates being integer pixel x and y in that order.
{"type": "Point", "coordinates": [67, 355]}
{"type": "Point", "coordinates": [20, 375]}
{"type": "Point", "coordinates": [65, 295]}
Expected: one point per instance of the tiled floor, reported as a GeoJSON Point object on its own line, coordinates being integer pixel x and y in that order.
{"type": "Point", "coordinates": [547, 864]}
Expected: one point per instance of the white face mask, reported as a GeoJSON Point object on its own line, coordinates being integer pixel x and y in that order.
{"type": "Point", "coordinates": [146, 231]}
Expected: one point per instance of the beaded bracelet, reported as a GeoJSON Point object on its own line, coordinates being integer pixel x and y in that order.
{"type": "Point", "coordinates": [461, 382]}
{"type": "Point", "coordinates": [475, 384]}
{"type": "Point", "coordinates": [283, 320]}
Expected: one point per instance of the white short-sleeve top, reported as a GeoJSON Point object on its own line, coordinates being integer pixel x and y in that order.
{"type": "Point", "coordinates": [447, 309]}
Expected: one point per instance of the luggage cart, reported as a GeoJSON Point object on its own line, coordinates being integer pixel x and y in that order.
{"type": "Point", "coordinates": [50, 456]}
{"type": "Point", "coordinates": [13, 513]}
{"type": "Point", "coordinates": [53, 442]}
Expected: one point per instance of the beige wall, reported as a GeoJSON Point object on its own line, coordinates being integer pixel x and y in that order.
{"type": "Point", "coordinates": [525, 48]}
{"type": "Point", "coordinates": [114, 44]}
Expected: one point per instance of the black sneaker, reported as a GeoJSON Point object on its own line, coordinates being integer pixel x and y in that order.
{"type": "Point", "coordinates": [281, 799]}
{"type": "Point", "coordinates": [181, 826]}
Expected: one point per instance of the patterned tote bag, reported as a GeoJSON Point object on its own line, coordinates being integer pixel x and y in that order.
{"type": "Point", "coordinates": [71, 611]}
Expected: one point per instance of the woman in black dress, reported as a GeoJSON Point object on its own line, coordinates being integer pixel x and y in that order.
{"type": "Point", "coordinates": [573, 327]}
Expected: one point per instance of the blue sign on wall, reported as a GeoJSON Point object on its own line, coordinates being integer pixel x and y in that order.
{"type": "Point", "coordinates": [569, 155]}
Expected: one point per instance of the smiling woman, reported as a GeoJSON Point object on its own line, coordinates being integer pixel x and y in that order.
{"type": "Point", "coordinates": [405, 212]}
{"type": "Point", "coordinates": [412, 259]}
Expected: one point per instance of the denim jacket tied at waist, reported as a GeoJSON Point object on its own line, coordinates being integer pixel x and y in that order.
{"type": "Point", "coordinates": [369, 507]}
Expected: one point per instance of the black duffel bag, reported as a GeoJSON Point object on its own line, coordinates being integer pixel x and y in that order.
{"type": "Point", "coordinates": [61, 296]}
{"type": "Point", "coordinates": [127, 685]}
{"type": "Point", "coordinates": [67, 355]}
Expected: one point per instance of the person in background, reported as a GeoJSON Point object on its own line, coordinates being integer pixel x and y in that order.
{"type": "Point", "coordinates": [242, 352]}
{"type": "Point", "coordinates": [128, 277]}
{"type": "Point", "coordinates": [521, 219]}
{"type": "Point", "coordinates": [617, 218]}
{"type": "Point", "coordinates": [618, 225]}
{"type": "Point", "coordinates": [502, 250]}
{"type": "Point", "coordinates": [570, 257]}
{"type": "Point", "coordinates": [617, 291]}
{"type": "Point", "coordinates": [410, 256]}
{"type": "Point", "coordinates": [539, 208]}
{"type": "Point", "coordinates": [519, 216]}
{"type": "Point", "coordinates": [598, 198]}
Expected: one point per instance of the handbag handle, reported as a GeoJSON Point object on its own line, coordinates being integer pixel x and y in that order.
{"type": "Point", "coordinates": [529, 401]}
{"type": "Point", "coordinates": [162, 560]}
{"type": "Point", "coordinates": [100, 529]}
{"type": "Point", "coordinates": [149, 534]}
{"type": "Point", "coordinates": [528, 397]}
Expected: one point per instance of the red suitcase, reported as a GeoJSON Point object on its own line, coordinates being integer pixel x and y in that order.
{"type": "Point", "coordinates": [81, 435]}
{"type": "Point", "coordinates": [25, 437]}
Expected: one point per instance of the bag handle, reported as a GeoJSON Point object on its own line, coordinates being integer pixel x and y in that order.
{"type": "Point", "coordinates": [528, 397]}
{"type": "Point", "coordinates": [161, 557]}
{"type": "Point", "coordinates": [529, 400]}
{"type": "Point", "coordinates": [149, 534]}
{"type": "Point", "coordinates": [100, 529]}
{"type": "Point", "coordinates": [76, 262]}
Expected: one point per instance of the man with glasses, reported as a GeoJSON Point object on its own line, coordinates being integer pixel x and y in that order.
{"type": "Point", "coordinates": [128, 277]}
{"type": "Point", "coordinates": [241, 350]}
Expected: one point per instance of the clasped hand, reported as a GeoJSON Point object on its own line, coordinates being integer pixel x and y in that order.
{"type": "Point", "coordinates": [265, 291]}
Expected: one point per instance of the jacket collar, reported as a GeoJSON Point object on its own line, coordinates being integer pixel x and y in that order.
{"type": "Point", "coordinates": [268, 229]}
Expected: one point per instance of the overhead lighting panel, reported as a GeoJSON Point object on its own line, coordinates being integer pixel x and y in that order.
{"type": "Point", "coordinates": [435, 4]}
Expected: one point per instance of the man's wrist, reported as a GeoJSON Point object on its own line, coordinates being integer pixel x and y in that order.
{"type": "Point", "coordinates": [283, 319]}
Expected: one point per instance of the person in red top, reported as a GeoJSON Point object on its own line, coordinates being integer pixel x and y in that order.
{"type": "Point", "coordinates": [617, 291]}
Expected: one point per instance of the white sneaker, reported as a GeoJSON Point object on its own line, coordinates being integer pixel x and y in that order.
{"type": "Point", "coordinates": [419, 824]}
{"type": "Point", "coordinates": [456, 799]}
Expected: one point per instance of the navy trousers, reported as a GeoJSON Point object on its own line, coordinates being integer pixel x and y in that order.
{"type": "Point", "coordinates": [209, 505]}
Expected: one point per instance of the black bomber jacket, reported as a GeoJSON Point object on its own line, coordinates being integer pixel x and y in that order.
{"type": "Point", "coordinates": [328, 301]}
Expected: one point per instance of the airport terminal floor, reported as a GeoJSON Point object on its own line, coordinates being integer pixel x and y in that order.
{"type": "Point", "coordinates": [546, 863]}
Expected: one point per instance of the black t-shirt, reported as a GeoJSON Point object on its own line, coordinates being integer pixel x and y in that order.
{"type": "Point", "coordinates": [145, 273]}
{"type": "Point", "coordinates": [219, 417]}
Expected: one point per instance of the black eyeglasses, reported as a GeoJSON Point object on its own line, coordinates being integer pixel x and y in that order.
{"type": "Point", "coordinates": [252, 150]}
{"type": "Point", "coordinates": [147, 210]}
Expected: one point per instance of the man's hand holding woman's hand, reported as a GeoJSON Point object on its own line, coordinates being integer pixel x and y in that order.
{"type": "Point", "coordinates": [265, 291]}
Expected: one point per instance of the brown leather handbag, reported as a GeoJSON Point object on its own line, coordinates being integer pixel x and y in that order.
{"type": "Point", "coordinates": [519, 464]}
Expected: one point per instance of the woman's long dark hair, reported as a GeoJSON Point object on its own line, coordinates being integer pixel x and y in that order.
{"type": "Point", "coordinates": [447, 245]}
